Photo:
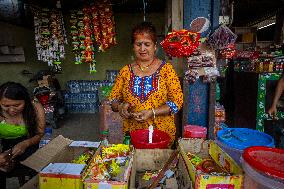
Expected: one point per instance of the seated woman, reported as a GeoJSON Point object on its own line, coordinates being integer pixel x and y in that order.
{"type": "Point", "coordinates": [22, 126]}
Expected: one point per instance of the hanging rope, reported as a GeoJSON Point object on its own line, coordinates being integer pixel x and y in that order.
{"type": "Point", "coordinates": [144, 10]}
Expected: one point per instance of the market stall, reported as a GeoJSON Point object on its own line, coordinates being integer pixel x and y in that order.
{"type": "Point", "coordinates": [82, 44]}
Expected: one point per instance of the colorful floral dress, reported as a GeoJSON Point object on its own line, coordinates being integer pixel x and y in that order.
{"type": "Point", "coordinates": [145, 93]}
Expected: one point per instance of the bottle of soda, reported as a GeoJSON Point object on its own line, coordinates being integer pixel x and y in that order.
{"type": "Point", "coordinates": [126, 139]}
{"type": "Point", "coordinates": [46, 137]}
{"type": "Point", "coordinates": [104, 141]}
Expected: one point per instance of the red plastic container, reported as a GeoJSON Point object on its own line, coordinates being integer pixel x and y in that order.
{"type": "Point", "coordinates": [140, 139]}
{"type": "Point", "coordinates": [263, 167]}
{"type": "Point", "coordinates": [43, 98]}
{"type": "Point", "coordinates": [194, 131]}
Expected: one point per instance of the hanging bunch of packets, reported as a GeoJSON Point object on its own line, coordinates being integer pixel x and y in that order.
{"type": "Point", "coordinates": [228, 52]}
{"type": "Point", "coordinates": [82, 38]}
{"type": "Point", "coordinates": [93, 26]}
{"type": "Point", "coordinates": [104, 26]}
{"type": "Point", "coordinates": [50, 36]}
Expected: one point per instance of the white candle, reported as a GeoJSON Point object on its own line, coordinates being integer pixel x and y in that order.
{"type": "Point", "coordinates": [151, 130]}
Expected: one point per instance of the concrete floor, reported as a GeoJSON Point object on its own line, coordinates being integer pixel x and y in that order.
{"type": "Point", "coordinates": [74, 127]}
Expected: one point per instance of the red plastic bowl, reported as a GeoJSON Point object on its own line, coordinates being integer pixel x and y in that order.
{"type": "Point", "coordinates": [140, 139]}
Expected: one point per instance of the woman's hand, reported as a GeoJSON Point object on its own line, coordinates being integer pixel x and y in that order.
{"type": "Point", "coordinates": [4, 159]}
{"type": "Point", "coordinates": [272, 112]}
{"type": "Point", "coordinates": [143, 115]}
{"type": "Point", "coordinates": [123, 110]}
{"type": "Point", "coordinates": [19, 149]}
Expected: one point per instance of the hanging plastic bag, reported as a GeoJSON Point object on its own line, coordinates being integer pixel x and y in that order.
{"type": "Point", "coordinates": [181, 43]}
{"type": "Point", "coordinates": [222, 37]}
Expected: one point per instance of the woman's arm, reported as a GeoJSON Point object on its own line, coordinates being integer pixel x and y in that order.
{"type": "Point", "coordinates": [20, 148]}
{"type": "Point", "coordinates": [40, 123]}
{"type": "Point", "coordinates": [175, 95]}
{"type": "Point", "coordinates": [116, 97]}
{"type": "Point", "coordinates": [278, 92]}
{"type": "Point", "coordinates": [3, 159]}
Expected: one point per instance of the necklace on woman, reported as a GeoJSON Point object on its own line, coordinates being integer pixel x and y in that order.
{"type": "Point", "coordinates": [143, 69]}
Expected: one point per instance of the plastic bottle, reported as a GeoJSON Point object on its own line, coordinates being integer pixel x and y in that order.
{"type": "Point", "coordinates": [218, 92]}
{"type": "Point", "coordinates": [46, 138]}
{"type": "Point", "coordinates": [126, 139]}
{"type": "Point", "coordinates": [104, 141]}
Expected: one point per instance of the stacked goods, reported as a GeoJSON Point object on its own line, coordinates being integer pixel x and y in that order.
{"type": "Point", "coordinates": [82, 95]}
{"type": "Point", "coordinates": [259, 65]}
{"type": "Point", "coordinates": [228, 52]}
{"type": "Point", "coordinates": [220, 118]}
{"type": "Point", "coordinates": [201, 59]}
{"type": "Point", "coordinates": [50, 36]}
{"type": "Point", "coordinates": [111, 165]}
{"type": "Point", "coordinates": [209, 166]}
{"type": "Point", "coordinates": [84, 158]}
{"type": "Point", "coordinates": [202, 62]}
{"type": "Point", "coordinates": [259, 61]}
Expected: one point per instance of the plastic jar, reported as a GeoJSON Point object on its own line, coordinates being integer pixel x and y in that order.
{"type": "Point", "coordinates": [234, 140]}
{"type": "Point", "coordinates": [264, 168]}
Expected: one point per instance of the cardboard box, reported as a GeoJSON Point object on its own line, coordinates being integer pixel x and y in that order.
{"type": "Point", "coordinates": [90, 183]}
{"type": "Point", "coordinates": [155, 159]}
{"type": "Point", "coordinates": [59, 150]}
{"type": "Point", "coordinates": [207, 149]}
{"type": "Point", "coordinates": [111, 121]}
{"type": "Point", "coordinates": [61, 175]}
{"type": "Point", "coordinates": [98, 184]}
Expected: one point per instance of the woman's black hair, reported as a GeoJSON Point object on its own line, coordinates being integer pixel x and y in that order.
{"type": "Point", "coordinates": [144, 27]}
{"type": "Point", "coordinates": [16, 91]}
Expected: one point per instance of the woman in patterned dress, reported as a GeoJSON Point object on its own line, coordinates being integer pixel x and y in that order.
{"type": "Point", "coordinates": [147, 91]}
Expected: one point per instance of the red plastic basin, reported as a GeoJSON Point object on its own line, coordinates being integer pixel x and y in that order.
{"type": "Point", "coordinates": [140, 139]}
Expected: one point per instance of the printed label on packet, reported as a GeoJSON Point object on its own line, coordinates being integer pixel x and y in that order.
{"type": "Point", "coordinates": [104, 185]}
{"type": "Point", "coordinates": [220, 186]}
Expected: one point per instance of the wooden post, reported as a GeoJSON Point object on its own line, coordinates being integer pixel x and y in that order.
{"type": "Point", "coordinates": [211, 111]}
{"type": "Point", "coordinates": [279, 28]}
{"type": "Point", "coordinates": [199, 98]}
